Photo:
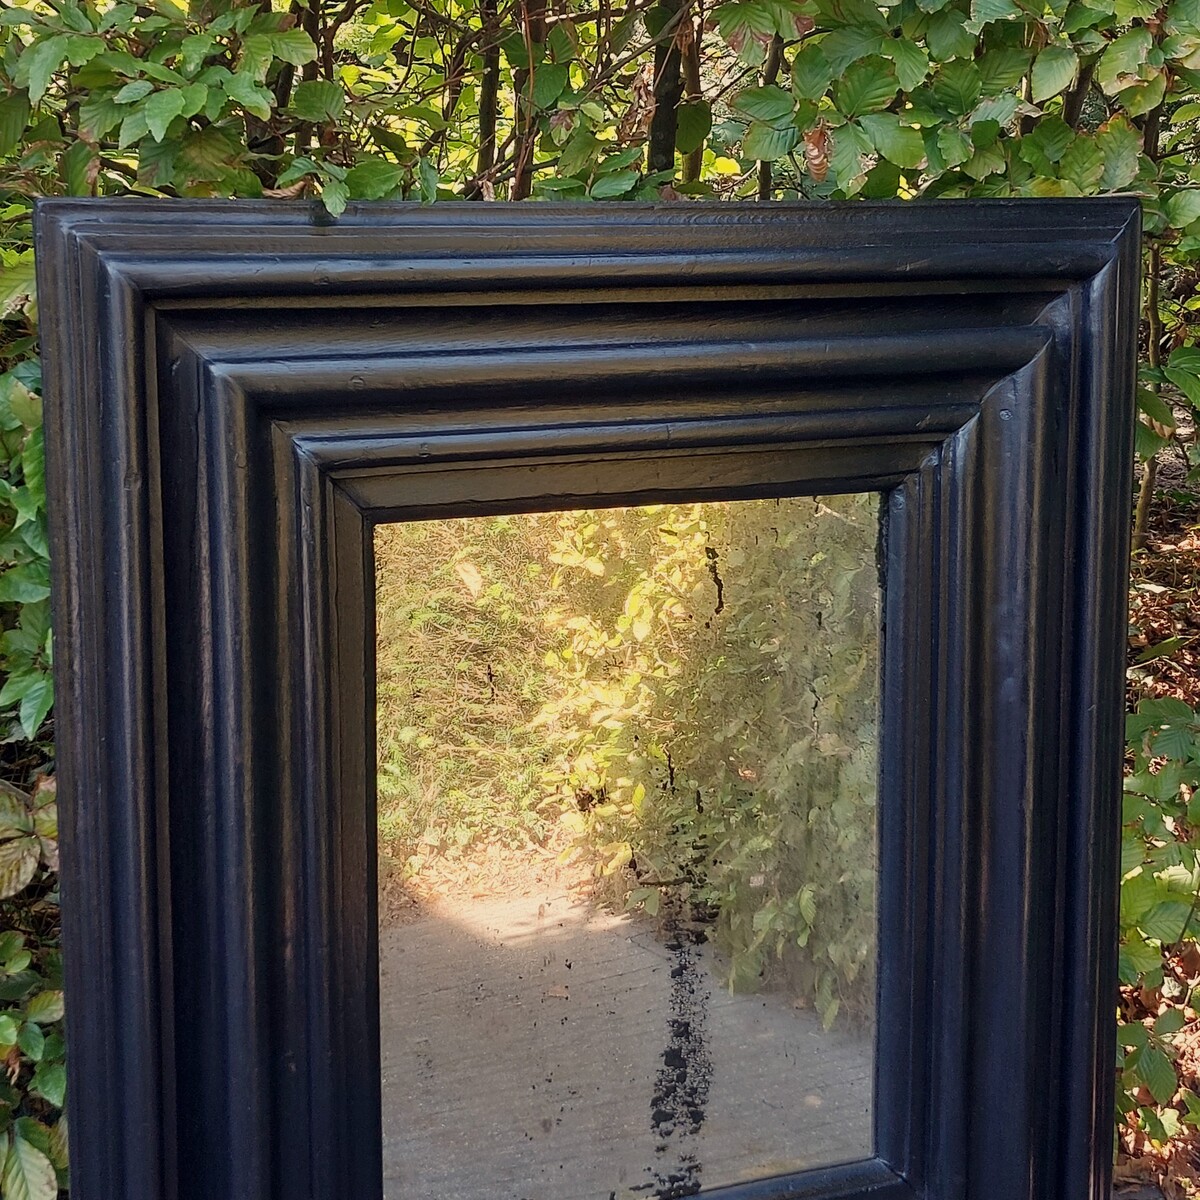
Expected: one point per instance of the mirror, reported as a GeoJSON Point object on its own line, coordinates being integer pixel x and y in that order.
{"type": "Point", "coordinates": [627, 836]}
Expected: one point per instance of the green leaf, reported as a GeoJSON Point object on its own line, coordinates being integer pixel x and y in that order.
{"type": "Point", "coordinates": [987, 160]}
{"type": "Point", "coordinates": [1183, 48]}
{"type": "Point", "coordinates": [194, 49]}
{"type": "Point", "coordinates": [983, 12]}
{"type": "Point", "coordinates": [1165, 921]}
{"type": "Point", "coordinates": [1166, 709]}
{"type": "Point", "coordinates": [1054, 70]}
{"type": "Point", "coordinates": [957, 87]}
{"type": "Point", "coordinates": [549, 79]}
{"type": "Point", "coordinates": [1080, 17]}
{"type": "Point", "coordinates": [97, 115]}
{"type": "Point", "coordinates": [578, 152]}
{"type": "Point", "coordinates": [14, 820]}
{"type": "Point", "coordinates": [11, 943]}
{"type": "Point", "coordinates": [948, 37]}
{"type": "Point", "coordinates": [1187, 383]}
{"type": "Point", "coordinates": [28, 1173]}
{"type": "Point", "coordinates": [769, 104]}
{"type": "Point", "coordinates": [292, 46]}
{"type": "Point", "coordinates": [18, 862]}
{"type": "Point", "coordinates": [1163, 649]}
{"type": "Point", "coordinates": [335, 195]}
{"type": "Point", "coordinates": [45, 1008]}
{"type": "Point", "coordinates": [1121, 63]}
{"type": "Point", "coordinates": [560, 45]}
{"type": "Point", "coordinates": [318, 101]}
{"type": "Point", "coordinates": [139, 89]}
{"type": "Point", "coordinates": [255, 58]}
{"type": "Point", "coordinates": [75, 18]}
{"type": "Point", "coordinates": [373, 179]}
{"type": "Point", "coordinates": [513, 46]}
{"type": "Point", "coordinates": [50, 1082]}
{"type": "Point", "coordinates": [14, 117]}
{"type": "Point", "coordinates": [32, 1041]}
{"type": "Point", "coordinates": [1175, 741]}
{"type": "Point", "coordinates": [1169, 1022]}
{"type": "Point", "coordinates": [1048, 142]}
{"type": "Point", "coordinates": [38, 63]}
{"type": "Point", "coordinates": [999, 109]}
{"type": "Point", "coordinates": [620, 160]}
{"type": "Point", "coordinates": [1139, 893]}
{"type": "Point", "coordinates": [16, 986]}
{"type": "Point", "coordinates": [554, 189]}
{"type": "Point", "coordinates": [748, 27]}
{"type": "Point", "coordinates": [693, 125]}
{"type": "Point", "coordinates": [767, 142]}
{"type": "Point", "coordinates": [849, 145]}
{"type": "Point", "coordinates": [1121, 145]}
{"type": "Point", "coordinates": [912, 64]}
{"type": "Point", "coordinates": [1137, 957]}
{"type": "Point", "coordinates": [18, 285]}
{"type": "Point", "coordinates": [1183, 208]}
{"type": "Point", "coordinates": [195, 97]}
{"type": "Point", "coordinates": [1183, 16]}
{"type": "Point", "coordinates": [1156, 408]}
{"type": "Point", "coordinates": [811, 72]}
{"type": "Point", "coordinates": [161, 109]}
{"type": "Point", "coordinates": [845, 46]}
{"type": "Point", "coordinates": [1083, 163]}
{"type": "Point", "coordinates": [898, 143]}
{"type": "Point", "coordinates": [58, 1137]}
{"type": "Point", "coordinates": [614, 185]}
{"type": "Point", "coordinates": [24, 584]}
{"type": "Point", "coordinates": [954, 145]}
{"type": "Point", "coordinates": [1137, 101]}
{"type": "Point", "coordinates": [1186, 358]}
{"type": "Point", "coordinates": [251, 95]}
{"type": "Point", "coordinates": [427, 179]}
{"type": "Point", "coordinates": [36, 704]}
{"type": "Point", "coordinates": [1002, 68]}
{"type": "Point", "coordinates": [1157, 1072]}
{"type": "Point", "coordinates": [133, 128]}
{"type": "Point", "coordinates": [866, 87]}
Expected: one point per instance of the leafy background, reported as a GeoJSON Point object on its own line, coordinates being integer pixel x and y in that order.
{"type": "Point", "coordinates": [337, 101]}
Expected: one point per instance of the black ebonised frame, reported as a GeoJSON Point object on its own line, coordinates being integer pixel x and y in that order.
{"type": "Point", "coordinates": [236, 393]}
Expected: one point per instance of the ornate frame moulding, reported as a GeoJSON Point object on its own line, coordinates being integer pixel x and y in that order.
{"type": "Point", "coordinates": [237, 392]}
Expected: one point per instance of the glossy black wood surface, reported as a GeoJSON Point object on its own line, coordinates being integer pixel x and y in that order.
{"type": "Point", "coordinates": [237, 393]}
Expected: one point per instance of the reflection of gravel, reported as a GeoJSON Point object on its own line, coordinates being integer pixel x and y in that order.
{"type": "Point", "coordinates": [479, 873]}
{"type": "Point", "coordinates": [537, 1047]}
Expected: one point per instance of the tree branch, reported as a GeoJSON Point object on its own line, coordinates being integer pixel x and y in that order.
{"type": "Point", "coordinates": [770, 74]}
{"type": "Point", "coordinates": [668, 87]}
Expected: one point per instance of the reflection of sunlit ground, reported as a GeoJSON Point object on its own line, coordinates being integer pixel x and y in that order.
{"type": "Point", "coordinates": [537, 1047]}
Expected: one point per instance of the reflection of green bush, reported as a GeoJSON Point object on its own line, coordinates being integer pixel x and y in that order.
{"type": "Point", "coordinates": [459, 676]}
{"type": "Point", "coordinates": [716, 711]}
{"type": "Point", "coordinates": [690, 689]}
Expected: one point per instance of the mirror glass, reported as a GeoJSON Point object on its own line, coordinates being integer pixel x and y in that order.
{"type": "Point", "coordinates": [627, 837]}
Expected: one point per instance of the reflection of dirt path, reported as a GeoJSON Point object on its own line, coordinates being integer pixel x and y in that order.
{"type": "Point", "coordinates": [536, 1048]}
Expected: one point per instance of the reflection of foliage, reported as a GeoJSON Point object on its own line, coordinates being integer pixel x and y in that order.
{"type": "Point", "coordinates": [692, 688]}
{"type": "Point", "coordinates": [460, 637]}
{"type": "Point", "coordinates": [715, 713]}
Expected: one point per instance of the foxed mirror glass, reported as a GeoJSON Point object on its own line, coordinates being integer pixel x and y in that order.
{"type": "Point", "coordinates": [627, 765]}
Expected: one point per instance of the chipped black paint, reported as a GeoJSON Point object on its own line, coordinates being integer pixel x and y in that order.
{"type": "Point", "coordinates": [681, 1086]}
